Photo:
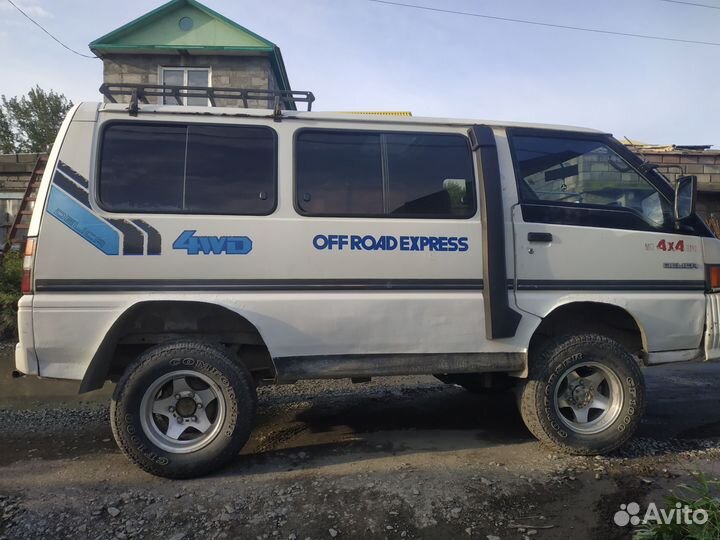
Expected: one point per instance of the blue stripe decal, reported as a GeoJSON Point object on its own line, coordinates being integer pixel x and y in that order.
{"type": "Point", "coordinates": [67, 170]}
{"type": "Point", "coordinates": [78, 218]}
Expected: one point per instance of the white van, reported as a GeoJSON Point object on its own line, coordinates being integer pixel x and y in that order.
{"type": "Point", "coordinates": [193, 253]}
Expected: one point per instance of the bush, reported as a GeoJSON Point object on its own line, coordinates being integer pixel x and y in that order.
{"type": "Point", "coordinates": [10, 285]}
{"type": "Point", "coordinates": [700, 496]}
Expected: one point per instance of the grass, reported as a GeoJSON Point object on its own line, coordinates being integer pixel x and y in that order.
{"type": "Point", "coordinates": [701, 495]}
{"type": "Point", "coordinates": [10, 284]}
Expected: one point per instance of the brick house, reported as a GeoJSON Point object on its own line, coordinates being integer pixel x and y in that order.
{"type": "Point", "coordinates": [702, 161]}
{"type": "Point", "coordinates": [185, 43]}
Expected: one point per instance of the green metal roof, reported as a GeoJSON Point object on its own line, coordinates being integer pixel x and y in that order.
{"type": "Point", "coordinates": [159, 32]}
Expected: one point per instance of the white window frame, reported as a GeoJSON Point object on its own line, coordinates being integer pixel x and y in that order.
{"type": "Point", "coordinates": [185, 70]}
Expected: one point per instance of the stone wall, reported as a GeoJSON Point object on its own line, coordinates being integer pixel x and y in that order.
{"type": "Point", "coordinates": [249, 72]}
{"type": "Point", "coordinates": [703, 164]}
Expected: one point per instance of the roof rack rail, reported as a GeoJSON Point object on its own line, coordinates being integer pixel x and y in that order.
{"type": "Point", "coordinates": [141, 92]}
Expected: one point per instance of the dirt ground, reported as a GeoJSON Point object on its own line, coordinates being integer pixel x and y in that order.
{"type": "Point", "coordinates": [394, 458]}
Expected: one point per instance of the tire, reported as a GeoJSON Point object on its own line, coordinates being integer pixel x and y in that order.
{"type": "Point", "coordinates": [571, 379]}
{"type": "Point", "coordinates": [214, 413]}
{"type": "Point", "coordinates": [480, 383]}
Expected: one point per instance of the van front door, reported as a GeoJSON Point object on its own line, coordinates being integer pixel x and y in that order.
{"type": "Point", "coordinates": [590, 226]}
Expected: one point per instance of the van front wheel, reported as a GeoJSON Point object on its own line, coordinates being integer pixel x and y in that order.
{"type": "Point", "coordinates": [183, 409]}
{"type": "Point", "coordinates": [585, 394]}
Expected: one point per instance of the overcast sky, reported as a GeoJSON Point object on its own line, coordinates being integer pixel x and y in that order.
{"type": "Point", "coordinates": [355, 54]}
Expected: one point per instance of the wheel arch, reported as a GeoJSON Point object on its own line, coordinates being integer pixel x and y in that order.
{"type": "Point", "coordinates": [604, 318]}
{"type": "Point", "coordinates": [150, 322]}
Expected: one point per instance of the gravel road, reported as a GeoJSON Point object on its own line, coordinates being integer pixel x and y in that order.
{"type": "Point", "coordinates": [394, 458]}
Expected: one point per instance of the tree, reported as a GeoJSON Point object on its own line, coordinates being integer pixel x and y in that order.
{"type": "Point", "coordinates": [7, 144]}
{"type": "Point", "coordinates": [33, 120]}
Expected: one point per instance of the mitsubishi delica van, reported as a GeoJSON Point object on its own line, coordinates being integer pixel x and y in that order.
{"type": "Point", "coordinates": [190, 254]}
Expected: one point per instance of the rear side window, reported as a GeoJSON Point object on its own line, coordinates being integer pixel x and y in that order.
{"type": "Point", "coordinates": [429, 175]}
{"type": "Point", "coordinates": [198, 169]}
{"type": "Point", "coordinates": [339, 173]}
{"type": "Point", "coordinates": [364, 173]}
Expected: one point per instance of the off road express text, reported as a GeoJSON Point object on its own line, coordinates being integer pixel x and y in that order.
{"type": "Point", "coordinates": [390, 243]}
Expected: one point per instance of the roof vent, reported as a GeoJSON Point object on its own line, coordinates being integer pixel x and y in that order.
{"type": "Point", "coordinates": [185, 24]}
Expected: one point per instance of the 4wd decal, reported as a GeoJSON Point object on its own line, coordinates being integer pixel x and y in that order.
{"type": "Point", "coordinates": [69, 202]}
{"type": "Point", "coordinates": [671, 245]}
{"type": "Point", "coordinates": [212, 245]}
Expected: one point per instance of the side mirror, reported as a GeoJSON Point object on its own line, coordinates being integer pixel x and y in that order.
{"type": "Point", "coordinates": [685, 196]}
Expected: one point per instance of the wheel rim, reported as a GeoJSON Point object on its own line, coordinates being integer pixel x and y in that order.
{"type": "Point", "coordinates": [182, 411]}
{"type": "Point", "coordinates": [588, 398]}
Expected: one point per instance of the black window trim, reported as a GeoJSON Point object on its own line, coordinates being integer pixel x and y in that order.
{"type": "Point", "coordinates": [382, 132]}
{"type": "Point", "coordinates": [98, 165]}
{"type": "Point", "coordinates": [643, 224]}
{"type": "Point", "coordinates": [664, 189]}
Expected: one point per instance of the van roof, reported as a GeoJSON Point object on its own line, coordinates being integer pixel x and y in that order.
{"type": "Point", "coordinates": [314, 115]}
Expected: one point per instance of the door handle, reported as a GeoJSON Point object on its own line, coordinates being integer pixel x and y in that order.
{"type": "Point", "coordinates": [540, 237]}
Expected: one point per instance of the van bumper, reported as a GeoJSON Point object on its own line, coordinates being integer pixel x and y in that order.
{"type": "Point", "coordinates": [712, 326]}
{"type": "Point", "coordinates": [26, 361]}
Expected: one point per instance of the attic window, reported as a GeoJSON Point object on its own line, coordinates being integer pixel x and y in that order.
{"type": "Point", "coordinates": [185, 24]}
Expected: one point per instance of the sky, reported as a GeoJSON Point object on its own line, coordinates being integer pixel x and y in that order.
{"type": "Point", "coordinates": [361, 55]}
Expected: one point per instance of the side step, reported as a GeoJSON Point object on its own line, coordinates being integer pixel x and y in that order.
{"type": "Point", "coordinates": [359, 366]}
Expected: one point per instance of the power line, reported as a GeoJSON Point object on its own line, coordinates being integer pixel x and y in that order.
{"type": "Point", "coordinates": [29, 18]}
{"type": "Point", "coordinates": [691, 4]}
{"type": "Point", "coordinates": [550, 25]}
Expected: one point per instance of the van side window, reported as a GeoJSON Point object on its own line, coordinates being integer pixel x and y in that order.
{"type": "Point", "coordinates": [142, 167]}
{"type": "Point", "coordinates": [198, 169]}
{"type": "Point", "coordinates": [339, 173]}
{"type": "Point", "coordinates": [584, 182]}
{"type": "Point", "coordinates": [230, 170]}
{"type": "Point", "coordinates": [429, 175]}
{"type": "Point", "coordinates": [366, 173]}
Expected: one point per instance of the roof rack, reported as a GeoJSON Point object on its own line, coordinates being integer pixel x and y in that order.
{"type": "Point", "coordinates": [141, 92]}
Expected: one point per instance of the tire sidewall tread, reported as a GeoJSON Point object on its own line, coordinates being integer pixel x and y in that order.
{"type": "Point", "coordinates": [536, 397]}
{"type": "Point", "coordinates": [212, 360]}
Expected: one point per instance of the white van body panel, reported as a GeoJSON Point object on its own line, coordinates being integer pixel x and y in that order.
{"type": "Point", "coordinates": [585, 256]}
{"type": "Point", "coordinates": [656, 313]}
{"type": "Point", "coordinates": [284, 287]}
{"type": "Point", "coordinates": [25, 357]}
{"type": "Point", "coordinates": [46, 180]}
{"type": "Point", "coordinates": [711, 254]}
{"type": "Point", "coordinates": [69, 337]}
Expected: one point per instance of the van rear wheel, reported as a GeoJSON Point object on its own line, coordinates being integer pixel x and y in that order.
{"type": "Point", "coordinates": [585, 394]}
{"type": "Point", "coordinates": [183, 409]}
